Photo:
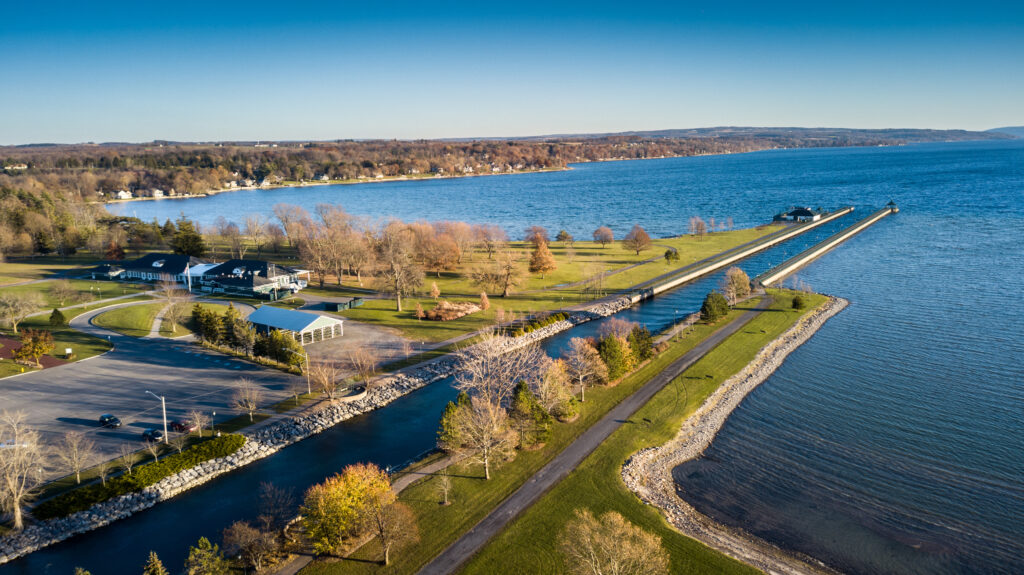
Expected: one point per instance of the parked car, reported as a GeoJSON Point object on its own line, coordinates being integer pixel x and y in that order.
{"type": "Point", "coordinates": [108, 420]}
{"type": "Point", "coordinates": [153, 435]}
{"type": "Point", "coordinates": [183, 426]}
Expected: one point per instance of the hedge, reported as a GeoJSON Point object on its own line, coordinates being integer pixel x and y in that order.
{"type": "Point", "coordinates": [538, 323]}
{"type": "Point", "coordinates": [141, 477]}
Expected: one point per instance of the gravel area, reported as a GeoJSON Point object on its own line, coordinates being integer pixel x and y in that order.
{"type": "Point", "coordinates": [649, 472]}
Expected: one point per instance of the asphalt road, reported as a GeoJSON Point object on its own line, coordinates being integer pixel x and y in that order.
{"type": "Point", "coordinates": [465, 547]}
{"type": "Point", "coordinates": [71, 397]}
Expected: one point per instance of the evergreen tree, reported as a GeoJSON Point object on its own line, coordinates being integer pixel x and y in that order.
{"type": "Point", "coordinates": [228, 320]}
{"type": "Point", "coordinates": [528, 417]}
{"type": "Point", "coordinates": [799, 302]}
{"type": "Point", "coordinates": [564, 237]}
{"type": "Point", "coordinates": [57, 318]}
{"type": "Point", "coordinates": [154, 566]}
{"type": "Point", "coordinates": [187, 240]}
{"type": "Point", "coordinates": [641, 342]}
{"type": "Point", "coordinates": [448, 437]}
{"type": "Point", "coordinates": [615, 353]}
{"type": "Point", "coordinates": [714, 308]}
{"type": "Point", "coordinates": [206, 559]}
{"type": "Point", "coordinates": [43, 243]}
{"type": "Point", "coordinates": [168, 229]}
{"type": "Point", "coordinates": [542, 260]}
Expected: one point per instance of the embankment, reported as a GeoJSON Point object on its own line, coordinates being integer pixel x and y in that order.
{"type": "Point", "coordinates": [649, 472]}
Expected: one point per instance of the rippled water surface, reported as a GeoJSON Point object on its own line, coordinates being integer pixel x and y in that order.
{"type": "Point", "coordinates": [892, 442]}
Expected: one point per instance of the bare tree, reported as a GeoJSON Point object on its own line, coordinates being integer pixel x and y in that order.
{"type": "Point", "coordinates": [604, 236]}
{"type": "Point", "coordinates": [75, 451]}
{"type": "Point", "coordinates": [276, 507]}
{"type": "Point", "coordinates": [154, 450]}
{"type": "Point", "coordinates": [236, 241]}
{"type": "Point", "coordinates": [363, 360]}
{"type": "Point", "coordinates": [178, 442]}
{"type": "Point", "coordinates": [391, 521]}
{"type": "Point", "coordinates": [22, 458]}
{"type": "Point", "coordinates": [444, 484]}
{"type": "Point", "coordinates": [491, 238]}
{"type": "Point", "coordinates": [256, 231]}
{"type": "Point", "coordinates": [127, 458]}
{"type": "Point", "coordinates": [326, 376]}
{"type": "Point", "coordinates": [16, 306]}
{"type": "Point", "coordinates": [247, 396]}
{"type": "Point", "coordinates": [250, 544]}
{"type": "Point", "coordinates": [484, 432]}
{"type": "Point", "coordinates": [637, 240]}
{"type": "Point", "coordinates": [399, 274]}
{"type": "Point", "coordinates": [584, 365]}
{"type": "Point", "coordinates": [176, 302]}
{"type": "Point", "coordinates": [290, 216]}
{"type": "Point", "coordinates": [503, 275]}
{"type": "Point", "coordinates": [610, 544]}
{"type": "Point", "coordinates": [536, 235]}
{"type": "Point", "coordinates": [489, 370]}
{"type": "Point", "coordinates": [103, 469]}
{"type": "Point", "coordinates": [616, 326]}
{"type": "Point", "coordinates": [552, 390]}
{"type": "Point", "coordinates": [62, 291]}
{"type": "Point", "coordinates": [199, 420]}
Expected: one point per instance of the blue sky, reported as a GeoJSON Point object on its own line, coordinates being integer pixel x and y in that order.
{"type": "Point", "coordinates": [297, 70]}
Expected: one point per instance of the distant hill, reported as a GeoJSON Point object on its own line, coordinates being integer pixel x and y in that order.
{"type": "Point", "coordinates": [1016, 131]}
{"type": "Point", "coordinates": [839, 136]}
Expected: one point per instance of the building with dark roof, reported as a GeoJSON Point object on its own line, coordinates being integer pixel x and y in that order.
{"type": "Point", "coordinates": [156, 267]}
{"type": "Point", "coordinates": [803, 214]}
{"type": "Point", "coordinates": [252, 278]}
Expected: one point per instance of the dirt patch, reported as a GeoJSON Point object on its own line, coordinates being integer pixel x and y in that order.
{"type": "Point", "coordinates": [8, 345]}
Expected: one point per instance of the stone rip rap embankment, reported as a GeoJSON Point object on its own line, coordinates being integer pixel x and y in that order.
{"type": "Point", "coordinates": [649, 472]}
{"type": "Point", "coordinates": [268, 440]}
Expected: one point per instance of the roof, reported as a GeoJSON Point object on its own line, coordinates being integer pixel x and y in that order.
{"type": "Point", "coordinates": [170, 264]}
{"type": "Point", "coordinates": [200, 269]}
{"type": "Point", "coordinates": [291, 320]}
{"type": "Point", "coordinates": [803, 212]}
{"type": "Point", "coordinates": [248, 267]}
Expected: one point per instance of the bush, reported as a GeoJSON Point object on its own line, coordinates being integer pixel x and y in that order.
{"type": "Point", "coordinates": [447, 311]}
{"type": "Point", "coordinates": [538, 323]}
{"type": "Point", "coordinates": [142, 476]}
{"type": "Point", "coordinates": [799, 302]}
{"type": "Point", "coordinates": [715, 307]}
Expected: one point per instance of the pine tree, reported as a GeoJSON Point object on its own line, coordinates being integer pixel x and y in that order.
{"type": "Point", "coordinates": [542, 260]}
{"type": "Point", "coordinates": [57, 318]}
{"type": "Point", "coordinates": [448, 437]}
{"type": "Point", "coordinates": [228, 321]}
{"type": "Point", "coordinates": [187, 240]}
{"type": "Point", "coordinates": [206, 559]}
{"type": "Point", "coordinates": [714, 308]}
{"type": "Point", "coordinates": [528, 417]}
{"type": "Point", "coordinates": [641, 343]}
{"type": "Point", "coordinates": [616, 355]}
{"type": "Point", "coordinates": [154, 566]}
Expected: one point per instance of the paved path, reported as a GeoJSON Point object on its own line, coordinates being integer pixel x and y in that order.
{"type": "Point", "coordinates": [465, 547]}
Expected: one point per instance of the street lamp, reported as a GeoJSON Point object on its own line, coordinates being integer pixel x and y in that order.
{"type": "Point", "coordinates": [213, 424]}
{"type": "Point", "coordinates": [309, 388]}
{"type": "Point", "coordinates": [163, 406]}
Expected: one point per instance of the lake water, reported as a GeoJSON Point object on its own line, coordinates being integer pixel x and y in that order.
{"type": "Point", "coordinates": [893, 441]}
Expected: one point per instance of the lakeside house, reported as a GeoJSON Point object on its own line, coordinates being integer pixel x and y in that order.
{"type": "Point", "coordinates": [250, 278]}
{"type": "Point", "coordinates": [159, 267]}
{"type": "Point", "coordinates": [305, 327]}
{"type": "Point", "coordinates": [123, 195]}
{"type": "Point", "coordinates": [802, 214]}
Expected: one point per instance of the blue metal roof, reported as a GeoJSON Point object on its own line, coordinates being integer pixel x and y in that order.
{"type": "Point", "coordinates": [291, 320]}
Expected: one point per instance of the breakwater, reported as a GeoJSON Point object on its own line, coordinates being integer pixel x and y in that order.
{"type": "Point", "coordinates": [649, 472]}
{"type": "Point", "coordinates": [805, 257]}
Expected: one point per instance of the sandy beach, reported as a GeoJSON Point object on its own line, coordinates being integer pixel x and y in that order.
{"type": "Point", "coordinates": [649, 472]}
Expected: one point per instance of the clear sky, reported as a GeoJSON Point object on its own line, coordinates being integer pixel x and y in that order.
{"type": "Point", "coordinates": [183, 70]}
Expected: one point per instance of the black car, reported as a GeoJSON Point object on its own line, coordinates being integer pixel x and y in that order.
{"type": "Point", "coordinates": [153, 435]}
{"type": "Point", "coordinates": [107, 420]}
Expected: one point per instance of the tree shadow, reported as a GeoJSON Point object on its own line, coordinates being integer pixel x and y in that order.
{"type": "Point", "coordinates": [79, 421]}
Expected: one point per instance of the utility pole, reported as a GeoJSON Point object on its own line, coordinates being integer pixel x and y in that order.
{"type": "Point", "coordinates": [163, 406]}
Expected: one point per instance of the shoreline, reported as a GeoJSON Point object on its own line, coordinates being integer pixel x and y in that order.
{"type": "Point", "coordinates": [648, 473]}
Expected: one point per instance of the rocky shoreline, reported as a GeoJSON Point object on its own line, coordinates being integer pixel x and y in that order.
{"type": "Point", "coordinates": [267, 441]}
{"type": "Point", "coordinates": [649, 472]}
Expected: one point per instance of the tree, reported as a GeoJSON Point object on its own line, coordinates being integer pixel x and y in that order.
{"type": "Point", "coordinates": [333, 512]}
{"type": "Point", "coordinates": [21, 464]}
{"type": "Point", "coordinates": [103, 469]}
{"type": "Point", "coordinates": [671, 255]}
{"type": "Point", "coordinates": [536, 235]}
{"type": "Point", "coordinates": [399, 274]}
{"type": "Point", "coordinates": [15, 307]}
{"type": "Point", "coordinates": [252, 544]}
{"type": "Point", "coordinates": [326, 377]}
{"type": "Point", "coordinates": [82, 571]}
{"type": "Point", "coordinates": [552, 390]}
{"type": "Point", "coordinates": [187, 240]}
{"type": "Point", "coordinates": [641, 343]}
{"type": "Point", "coordinates": [435, 292]}
{"type": "Point", "coordinates": [637, 240]}
{"type": "Point", "coordinates": [154, 566]}
{"type": "Point", "coordinates": [736, 285]}
{"type": "Point", "coordinates": [175, 302]}
{"type": "Point", "coordinates": [615, 325]}
{"type": "Point", "coordinates": [482, 427]}
{"type": "Point", "coordinates": [504, 274]}
{"type": "Point", "coordinates": [392, 522]}
{"type": "Point", "coordinates": [57, 318]}
{"type": "Point", "coordinates": [584, 365]}
{"type": "Point", "coordinates": [276, 507]}
{"type": "Point", "coordinates": [420, 314]}
{"type": "Point", "coordinates": [564, 237]}
{"type": "Point", "coordinates": [491, 238]}
{"type": "Point", "coordinates": [449, 438]}
{"type": "Point", "coordinates": [75, 451]}
{"type": "Point", "coordinates": [490, 370]}
{"type": "Point", "coordinates": [528, 417]}
{"type": "Point", "coordinates": [256, 231]}
{"type": "Point", "coordinates": [615, 353]}
{"type": "Point", "coordinates": [610, 544]}
{"type": "Point", "coordinates": [444, 485]}
{"type": "Point", "coordinates": [199, 420]}
{"type": "Point", "coordinates": [714, 308]}
{"type": "Point", "coordinates": [542, 260]}
{"type": "Point", "coordinates": [126, 460]}
{"type": "Point", "coordinates": [206, 559]}
{"type": "Point", "coordinates": [35, 343]}
{"type": "Point", "coordinates": [799, 302]}
{"type": "Point", "coordinates": [604, 236]}
{"type": "Point", "coordinates": [62, 291]}
{"type": "Point", "coordinates": [247, 396]}
{"type": "Point", "coordinates": [363, 360]}
{"type": "Point", "coordinates": [228, 320]}
{"type": "Point", "coordinates": [485, 302]}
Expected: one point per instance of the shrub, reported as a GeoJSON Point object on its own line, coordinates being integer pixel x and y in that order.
{"type": "Point", "coordinates": [538, 323]}
{"type": "Point", "coordinates": [447, 311]}
{"type": "Point", "coordinates": [799, 302]}
{"type": "Point", "coordinates": [142, 476]}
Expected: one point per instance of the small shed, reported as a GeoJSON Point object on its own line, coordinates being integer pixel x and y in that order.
{"type": "Point", "coordinates": [305, 327]}
{"type": "Point", "coordinates": [343, 303]}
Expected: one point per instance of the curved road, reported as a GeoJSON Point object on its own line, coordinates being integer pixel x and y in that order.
{"type": "Point", "coordinates": [557, 469]}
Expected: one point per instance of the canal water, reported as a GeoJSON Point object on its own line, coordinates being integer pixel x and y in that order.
{"type": "Point", "coordinates": [892, 442]}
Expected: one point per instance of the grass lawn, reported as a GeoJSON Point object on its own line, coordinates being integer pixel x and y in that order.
{"type": "Point", "coordinates": [134, 320]}
{"type": "Point", "coordinates": [596, 484]}
{"type": "Point", "coordinates": [87, 291]}
{"type": "Point", "coordinates": [27, 270]}
{"type": "Point", "coordinates": [473, 497]}
{"type": "Point", "coordinates": [187, 323]}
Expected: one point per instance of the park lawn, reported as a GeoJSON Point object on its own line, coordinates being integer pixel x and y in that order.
{"type": "Point", "coordinates": [473, 497]}
{"type": "Point", "coordinates": [133, 320]}
{"type": "Point", "coordinates": [187, 324]}
{"type": "Point", "coordinates": [87, 290]}
{"type": "Point", "coordinates": [28, 270]}
{"type": "Point", "coordinates": [597, 485]}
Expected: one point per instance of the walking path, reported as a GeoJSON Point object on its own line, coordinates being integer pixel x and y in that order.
{"type": "Point", "coordinates": [466, 546]}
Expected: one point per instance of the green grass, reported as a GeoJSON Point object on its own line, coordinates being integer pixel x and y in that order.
{"type": "Point", "coordinates": [28, 270]}
{"type": "Point", "coordinates": [187, 324]}
{"type": "Point", "coordinates": [473, 497]}
{"type": "Point", "coordinates": [286, 405]}
{"type": "Point", "coordinates": [237, 423]}
{"type": "Point", "coordinates": [87, 290]}
{"type": "Point", "coordinates": [596, 483]}
{"type": "Point", "coordinates": [134, 320]}
{"type": "Point", "coordinates": [290, 303]}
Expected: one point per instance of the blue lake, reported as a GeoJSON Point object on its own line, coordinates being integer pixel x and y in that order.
{"type": "Point", "coordinates": [892, 442]}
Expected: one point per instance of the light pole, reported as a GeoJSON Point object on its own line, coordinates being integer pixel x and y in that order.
{"type": "Point", "coordinates": [213, 425]}
{"type": "Point", "coordinates": [163, 406]}
{"type": "Point", "coordinates": [309, 388]}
